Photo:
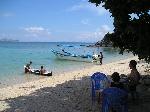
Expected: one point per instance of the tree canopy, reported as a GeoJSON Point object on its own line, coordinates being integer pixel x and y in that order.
{"type": "Point", "coordinates": [131, 25]}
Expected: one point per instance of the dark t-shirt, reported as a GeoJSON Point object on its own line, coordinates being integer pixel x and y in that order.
{"type": "Point", "coordinates": [117, 84]}
{"type": "Point", "coordinates": [100, 56]}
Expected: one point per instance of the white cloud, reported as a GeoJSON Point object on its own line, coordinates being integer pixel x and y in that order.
{"type": "Point", "coordinates": [37, 31]}
{"type": "Point", "coordinates": [85, 21]}
{"type": "Point", "coordinates": [34, 29]}
{"type": "Point", "coordinates": [105, 28]}
{"type": "Point", "coordinates": [6, 14]}
{"type": "Point", "coordinates": [85, 5]}
{"type": "Point", "coordinates": [86, 35]}
{"type": "Point", "coordinates": [97, 35]}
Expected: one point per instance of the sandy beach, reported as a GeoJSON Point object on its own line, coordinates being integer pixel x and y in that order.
{"type": "Point", "coordinates": [67, 92]}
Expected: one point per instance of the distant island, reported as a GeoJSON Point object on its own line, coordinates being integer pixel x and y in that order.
{"type": "Point", "coordinates": [8, 40]}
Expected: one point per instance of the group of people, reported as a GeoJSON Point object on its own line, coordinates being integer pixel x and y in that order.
{"type": "Point", "coordinates": [28, 69]}
{"type": "Point", "coordinates": [133, 79]}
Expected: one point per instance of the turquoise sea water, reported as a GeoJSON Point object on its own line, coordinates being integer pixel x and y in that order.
{"type": "Point", "coordinates": [13, 56]}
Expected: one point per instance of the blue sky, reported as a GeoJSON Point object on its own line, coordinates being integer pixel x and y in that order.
{"type": "Point", "coordinates": [53, 20]}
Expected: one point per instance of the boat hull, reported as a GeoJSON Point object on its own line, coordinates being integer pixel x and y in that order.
{"type": "Point", "coordinates": [72, 57]}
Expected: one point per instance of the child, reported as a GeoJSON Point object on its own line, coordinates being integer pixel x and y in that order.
{"type": "Point", "coordinates": [116, 81]}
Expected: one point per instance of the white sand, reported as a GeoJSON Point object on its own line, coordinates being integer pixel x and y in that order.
{"type": "Point", "coordinates": [68, 92]}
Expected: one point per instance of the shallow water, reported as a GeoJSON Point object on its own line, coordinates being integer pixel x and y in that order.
{"type": "Point", "coordinates": [13, 56]}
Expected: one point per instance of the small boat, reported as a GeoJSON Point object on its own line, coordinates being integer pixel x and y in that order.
{"type": "Point", "coordinates": [37, 72]}
{"type": "Point", "coordinates": [65, 45]}
{"type": "Point", "coordinates": [73, 57]}
{"type": "Point", "coordinates": [82, 45]}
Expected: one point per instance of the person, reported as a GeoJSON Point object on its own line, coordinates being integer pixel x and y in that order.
{"type": "Point", "coordinates": [116, 81]}
{"type": "Point", "coordinates": [133, 79]}
{"type": "Point", "coordinates": [28, 67]}
{"type": "Point", "coordinates": [42, 70]}
{"type": "Point", "coordinates": [63, 50]}
{"type": "Point", "coordinates": [100, 58]}
{"type": "Point", "coordinates": [94, 56]}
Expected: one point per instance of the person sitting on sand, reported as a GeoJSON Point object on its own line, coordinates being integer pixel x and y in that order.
{"type": "Point", "coordinates": [28, 68]}
{"type": "Point", "coordinates": [133, 79]}
{"type": "Point", "coordinates": [42, 70]}
{"type": "Point", "coordinates": [116, 81]}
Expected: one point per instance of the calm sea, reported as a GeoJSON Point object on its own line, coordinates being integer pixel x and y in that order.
{"type": "Point", "coordinates": [13, 56]}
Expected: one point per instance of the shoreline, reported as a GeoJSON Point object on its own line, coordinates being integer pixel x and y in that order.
{"type": "Point", "coordinates": [26, 78]}
{"type": "Point", "coordinates": [76, 74]}
{"type": "Point", "coordinates": [82, 76]}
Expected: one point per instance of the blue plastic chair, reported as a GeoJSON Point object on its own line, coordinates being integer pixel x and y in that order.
{"type": "Point", "coordinates": [99, 81]}
{"type": "Point", "coordinates": [114, 99]}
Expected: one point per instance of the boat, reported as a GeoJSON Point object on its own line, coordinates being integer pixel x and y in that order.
{"type": "Point", "coordinates": [59, 45]}
{"type": "Point", "coordinates": [74, 57]}
{"type": "Point", "coordinates": [37, 72]}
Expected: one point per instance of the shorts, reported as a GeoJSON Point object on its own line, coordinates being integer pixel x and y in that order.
{"type": "Point", "coordinates": [132, 87]}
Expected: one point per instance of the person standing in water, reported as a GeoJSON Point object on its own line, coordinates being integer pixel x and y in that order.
{"type": "Point", "coordinates": [28, 67]}
{"type": "Point", "coordinates": [100, 58]}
